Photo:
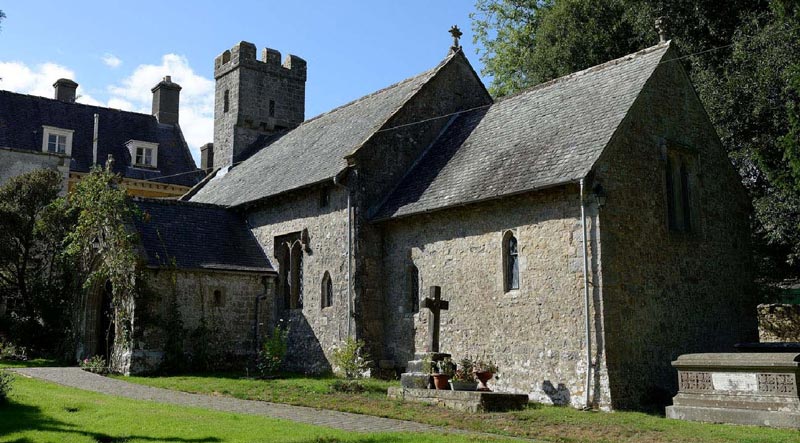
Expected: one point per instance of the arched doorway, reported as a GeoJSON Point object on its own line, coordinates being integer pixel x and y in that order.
{"type": "Point", "coordinates": [106, 329]}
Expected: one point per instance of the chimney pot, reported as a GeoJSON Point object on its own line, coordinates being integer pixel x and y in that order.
{"type": "Point", "coordinates": [65, 90]}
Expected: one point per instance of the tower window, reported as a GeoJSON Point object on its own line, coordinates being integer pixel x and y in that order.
{"type": "Point", "coordinates": [226, 104]}
{"type": "Point", "coordinates": [272, 108]}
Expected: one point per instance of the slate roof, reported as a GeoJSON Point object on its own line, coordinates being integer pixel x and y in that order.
{"type": "Point", "coordinates": [314, 151]}
{"type": "Point", "coordinates": [197, 236]}
{"type": "Point", "coordinates": [548, 135]}
{"type": "Point", "coordinates": [22, 117]}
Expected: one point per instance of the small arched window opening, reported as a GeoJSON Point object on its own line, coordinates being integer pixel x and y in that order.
{"type": "Point", "coordinates": [296, 277]}
{"type": "Point", "coordinates": [226, 103]}
{"type": "Point", "coordinates": [510, 262]}
{"type": "Point", "coordinates": [413, 292]}
{"type": "Point", "coordinates": [327, 291]}
{"type": "Point", "coordinates": [217, 299]}
{"type": "Point", "coordinates": [284, 263]}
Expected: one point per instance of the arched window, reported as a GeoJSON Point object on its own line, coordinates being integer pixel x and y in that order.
{"type": "Point", "coordinates": [226, 101]}
{"type": "Point", "coordinates": [510, 262]}
{"type": "Point", "coordinates": [284, 263]}
{"type": "Point", "coordinates": [413, 285]}
{"type": "Point", "coordinates": [327, 291]}
{"type": "Point", "coordinates": [296, 277]}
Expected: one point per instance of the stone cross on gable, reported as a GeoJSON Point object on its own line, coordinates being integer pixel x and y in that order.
{"type": "Point", "coordinates": [436, 305]}
{"type": "Point", "coordinates": [456, 33]}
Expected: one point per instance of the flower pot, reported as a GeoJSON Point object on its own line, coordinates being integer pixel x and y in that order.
{"type": "Point", "coordinates": [484, 377]}
{"type": "Point", "coordinates": [464, 385]}
{"type": "Point", "coordinates": [440, 381]}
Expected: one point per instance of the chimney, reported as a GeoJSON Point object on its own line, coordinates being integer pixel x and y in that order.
{"type": "Point", "coordinates": [65, 90]}
{"type": "Point", "coordinates": [207, 156]}
{"type": "Point", "coordinates": [166, 96]}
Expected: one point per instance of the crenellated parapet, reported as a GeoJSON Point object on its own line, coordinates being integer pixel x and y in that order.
{"type": "Point", "coordinates": [244, 54]}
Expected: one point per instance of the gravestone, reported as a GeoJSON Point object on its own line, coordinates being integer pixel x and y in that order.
{"type": "Point", "coordinates": [741, 388]}
{"type": "Point", "coordinates": [416, 376]}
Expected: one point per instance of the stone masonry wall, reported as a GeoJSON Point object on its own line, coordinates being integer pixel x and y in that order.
{"type": "Point", "coordinates": [535, 334]}
{"type": "Point", "coordinates": [314, 331]}
{"type": "Point", "coordinates": [668, 293]}
{"type": "Point", "coordinates": [778, 323]}
{"type": "Point", "coordinates": [232, 320]}
{"type": "Point", "coordinates": [15, 162]}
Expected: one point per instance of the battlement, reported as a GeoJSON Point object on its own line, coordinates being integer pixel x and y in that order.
{"type": "Point", "coordinates": [244, 54]}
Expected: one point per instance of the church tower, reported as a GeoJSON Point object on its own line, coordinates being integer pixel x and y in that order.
{"type": "Point", "coordinates": [254, 98]}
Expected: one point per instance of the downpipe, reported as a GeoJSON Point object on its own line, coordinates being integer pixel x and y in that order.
{"type": "Point", "coordinates": [586, 300]}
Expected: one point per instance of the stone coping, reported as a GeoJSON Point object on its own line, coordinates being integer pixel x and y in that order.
{"type": "Point", "coordinates": [469, 401]}
{"type": "Point", "coordinates": [744, 361]}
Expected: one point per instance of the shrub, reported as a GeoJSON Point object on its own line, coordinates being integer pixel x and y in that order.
{"type": "Point", "coordinates": [351, 359]}
{"type": "Point", "coordinates": [96, 364]}
{"type": "Point", "coordinates": [272, 352]}
{"type": "Point", "coordinates": [348, 386]}
{"type": "Point", "coordinates": [8, 351]}
{"type": "Point", "coordinates": [6, 381]}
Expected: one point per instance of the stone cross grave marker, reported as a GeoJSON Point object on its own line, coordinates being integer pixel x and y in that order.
{"type": "Point", "coordinates": [435, 304]}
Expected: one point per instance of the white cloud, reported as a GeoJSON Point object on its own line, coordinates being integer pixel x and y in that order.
{"type": "Point", "coordinates": [111, 60]}
{"type": "Point", "coordinates": [197, 97]}
{"type": "Point", "coordinates": [18, 77]}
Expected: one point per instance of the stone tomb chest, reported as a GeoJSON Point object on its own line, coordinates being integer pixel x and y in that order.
{"type": "Point", "coordinates": [743, 388]}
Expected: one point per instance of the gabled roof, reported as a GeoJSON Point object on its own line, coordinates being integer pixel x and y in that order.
{"type": "Point", "coordinates": [548, 135]}
{"type": "Point", "coordinates": [313, 152]}
{"type": "Point", "coordinates": [22, 117]}
{"type": "Point", "coordinates": [187, 235]}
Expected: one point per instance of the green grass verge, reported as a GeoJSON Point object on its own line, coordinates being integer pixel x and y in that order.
{"type": "Point", "coordinates": [546, 423]}
{"type": "Point", "coordinates": [44, 412]}
{"type": "Point", "coordinates": [33, 363]}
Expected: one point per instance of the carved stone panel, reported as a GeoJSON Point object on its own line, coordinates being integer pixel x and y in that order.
{"type": "Point", "coordinates": [777, 383]}
{"type": "Point", "coordinates": [695, 381]}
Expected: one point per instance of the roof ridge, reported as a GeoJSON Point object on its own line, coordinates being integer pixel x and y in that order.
{"type": "Point", "coordinates": [591, 69]}
{"type": "Point", "coordinates": [374, 93]}
{"type": "Point", "coordinates": [39, 97]}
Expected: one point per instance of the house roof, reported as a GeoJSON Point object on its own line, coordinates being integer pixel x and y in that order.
{"type": "Point", "coordinates": [190, 235]}
{"type": "Point", "coordinates": [22, 117]}
{"type": "Point", "coordinates": [313, 152]}
{"type": "Point", "coordinates": [545, 136]}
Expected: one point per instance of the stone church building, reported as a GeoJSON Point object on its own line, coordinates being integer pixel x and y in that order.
{"type": "Point", "coordinates": [585, 231]}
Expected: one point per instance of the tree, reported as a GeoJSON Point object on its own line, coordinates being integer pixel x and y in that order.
{"type": "Point", "coordinates": [102, 246]}
{"type": "Point", "coordinates": [2, 16]}
{"type": "Point", "coordinates": [33, 276]}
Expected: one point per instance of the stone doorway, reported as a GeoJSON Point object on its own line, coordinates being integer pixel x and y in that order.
{"type": "Point", "coordinates": [106, 328]}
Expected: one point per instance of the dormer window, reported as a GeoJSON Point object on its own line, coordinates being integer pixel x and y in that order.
{"type": "Point", "coordinates": [143, 154]}
{"type": "Point", "coordinates": [57, 140]}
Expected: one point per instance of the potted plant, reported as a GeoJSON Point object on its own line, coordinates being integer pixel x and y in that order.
{"type": "Point", "coordinates": [444, 370]}
{"type": "Point", "coordinates": [484, 370]}
{"type": "Point", "coordinates": [464, 378]}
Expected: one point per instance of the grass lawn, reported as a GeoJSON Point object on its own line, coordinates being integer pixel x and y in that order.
{"type": "Point", "coordinates": [546, 423]}
{"type": "Point", "coordinates": [44, 412]}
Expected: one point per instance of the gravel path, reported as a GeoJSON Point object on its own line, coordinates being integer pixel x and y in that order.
{"type": "Point", "coordinates": [77, 378]}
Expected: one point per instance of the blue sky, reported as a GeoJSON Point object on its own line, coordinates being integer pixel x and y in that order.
{"type": "Point", "coordinates": [117, 50]}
